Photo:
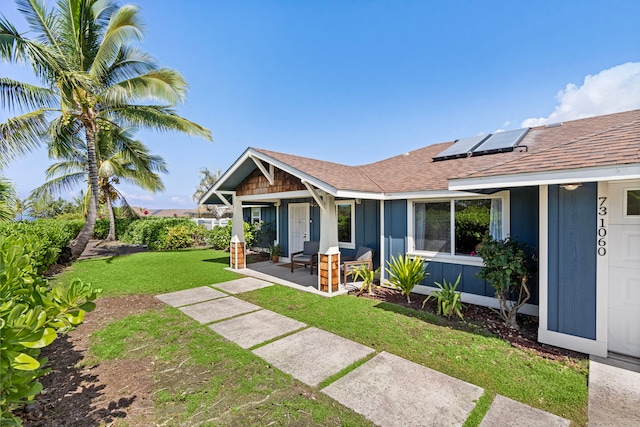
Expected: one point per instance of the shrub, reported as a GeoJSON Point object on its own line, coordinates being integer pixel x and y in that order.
{"type": "Point", "coordinates": [220, 237]}
{"type": "Point", "coordinates": [449, 301]}
{"type": "Point", "coordinates": [405, 273]}
{"type": "Point", "coordinates": [507, 266]}
{"type": "Point", "coordinates": [101, 231]}
{"type": "Point", "coordinates": [31, 317]}
{"type": "Point", "coordinates": [45, 238]}
{"type": "Point", "coordinates": [178, 237]}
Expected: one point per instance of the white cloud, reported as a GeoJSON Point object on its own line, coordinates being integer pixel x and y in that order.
{"type": "Point", "coordinates": [610, 91]}
{"type": "Point", "coordinates": [507, 123]}
{"type": "Point", "coordinates": [138, 197]}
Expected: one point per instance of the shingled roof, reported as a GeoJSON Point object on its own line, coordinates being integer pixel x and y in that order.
{"type": "Point", "coordinates": [612, 139]}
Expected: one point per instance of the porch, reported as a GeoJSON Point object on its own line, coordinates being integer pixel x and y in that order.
{"type": "Point", "coordinates": [298, 279]}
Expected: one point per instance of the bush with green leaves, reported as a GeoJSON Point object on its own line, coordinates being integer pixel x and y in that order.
{"type": "Point", "coordinates": [219, 237]}
{"type": "Point", "coordinates": [405, 273]}
{"type": "Point", "coordinates": [46, 238]}
{"type": "Point", "coordinates": [101, 231]}
{"type": "Point", "coordinates": [507, 266]}
{"type": "Point", "coordinates": [32, 315]}
{"type": "Point", "coordinates": [153, 232]}
{"type": "Point", "coordinates": [448, 300]}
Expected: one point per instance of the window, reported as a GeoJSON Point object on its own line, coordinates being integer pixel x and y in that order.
{"type": "Point", "coordinates": [346, 224]}
{"type": "Point", "coordinates": [633, 203]}
{"type": "Point", "coordinates": [455, 227]}
{"type": "Point", "coordinates": [256, 215]}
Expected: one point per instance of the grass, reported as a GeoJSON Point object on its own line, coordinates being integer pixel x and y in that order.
{"type": "Point", "coordinates": [202, 379]}
{"type": "Point", "coordinates": [481, 359]}
{"type": "Point", "coordinates": [153, 272]}
{"type": "Point", "coordinates": [233, 383]}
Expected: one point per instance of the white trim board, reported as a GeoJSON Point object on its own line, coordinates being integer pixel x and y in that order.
{"type": "Point", "coordinates": [606, 173]}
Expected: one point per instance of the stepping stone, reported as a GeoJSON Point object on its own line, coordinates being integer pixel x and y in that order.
{"type": "Point", "coordinates": [392, 391]}
{"type": "Point", "coordinates": [312, 355]}
{"type": "Point", "coordinates": [190, 296]}
{"type": "Point", "coordinates": [506, 411]}
{"type": "Point", "coordinates": [255, 328]}
{"type": "Point", "coordinates": [218, 309]}
{"type": "Point", "coordinates": [245, 284]}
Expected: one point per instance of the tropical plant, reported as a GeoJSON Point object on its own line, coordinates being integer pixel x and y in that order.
{"type": "Point", "coordinates": [45, 206]}
{"type": "Point", "coordinates": [275, 252]}
{"type": "Point", "coordinates": [92, 75]}
{"type": "Point", "coordinates": [368, 277]}
{"type": "Point", "coordinates": [31, 317]}
{"type": "Point", "coordinates": [8, 200]}
{"type": "Point", "coordinates": [207, 179]}
{"type": "Point", "coordinates": [507, 266]}
{"type": "Point", "coordinates": [405, 273]}
{"type": "Point", "coordinates": [120, 159]}
{"type": "Point", "coordinates": [448, 300]}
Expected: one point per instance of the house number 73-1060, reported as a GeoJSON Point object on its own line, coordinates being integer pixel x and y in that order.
{"type": "Point", "coordinates": [602, 229]}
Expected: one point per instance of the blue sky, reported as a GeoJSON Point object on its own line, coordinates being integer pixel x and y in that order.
{"type": "Point", "coordinates": [358, 81]}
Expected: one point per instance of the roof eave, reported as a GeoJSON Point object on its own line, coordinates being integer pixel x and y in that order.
{"type": "Point", "coordinates": [565, 176]}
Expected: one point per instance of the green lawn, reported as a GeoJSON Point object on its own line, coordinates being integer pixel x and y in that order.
{"type": "Point", "coordinates": [470, 355]}
{"type": "Point", "coordinates": [153, 272]}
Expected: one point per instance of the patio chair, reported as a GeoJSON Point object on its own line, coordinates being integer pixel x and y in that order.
{"type": "Point", "coordinates": [307, 256]}
{"type": "Point", "coordinates": [364, 255]}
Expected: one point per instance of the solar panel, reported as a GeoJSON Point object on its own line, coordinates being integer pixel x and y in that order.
{"type": "Point", "coordinates": [500, 142]}
{"type": "Point", "coordinates": [461, 148]}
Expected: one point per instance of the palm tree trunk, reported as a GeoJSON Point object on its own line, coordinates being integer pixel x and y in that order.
{"type": "Point", "coordinates": [112, 222]}
{"type": "Point", "coordinates": [79, 244]}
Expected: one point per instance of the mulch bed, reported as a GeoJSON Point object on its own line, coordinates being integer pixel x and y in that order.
{"type": "Point", "coordinates": [486, 318]}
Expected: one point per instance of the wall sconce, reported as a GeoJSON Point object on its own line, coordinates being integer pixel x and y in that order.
{"type": "Point", "coordinates": [313, 204]}
{"type": "Point", "coordinates": [571, 187]}
{"type": "Point", "coordinates": [358, 201]}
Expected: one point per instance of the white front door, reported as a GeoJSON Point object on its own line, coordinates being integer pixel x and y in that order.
{"type": "Point", "coordinates": [624, 268]}
{"type": "Point", "coordinates": [298, 226]}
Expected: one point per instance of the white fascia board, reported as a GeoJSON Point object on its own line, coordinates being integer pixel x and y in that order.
{"type": "Point", "coordinates": [300, 194]}
{"type": "Point", "coordinates": [432, 194]}
{"type": "Point", "coordinates": [352, 194]}
{"type": "Point", "coordinates": [594, 174]}
{"type": "Point", "coordinates": [295, 172]}
{"type": "Point", "coordinates": [227, 174]}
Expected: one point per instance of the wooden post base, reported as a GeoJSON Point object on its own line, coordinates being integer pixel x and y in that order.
{"type": "Point", "coordinates": [237, 256]}
{"type": "Point", "coordinates": [329, 272]}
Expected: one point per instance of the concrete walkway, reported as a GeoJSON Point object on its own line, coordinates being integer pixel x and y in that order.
{"type": "Point", "coordinates": [614, 392]}
{"type": "Point", "coordinates": [380, 388]}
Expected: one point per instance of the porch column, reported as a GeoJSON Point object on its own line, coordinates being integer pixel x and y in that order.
{"type": "Point", "coordinates": [329, 256]}
{"type": "Point", "coordinates": [238, 250]}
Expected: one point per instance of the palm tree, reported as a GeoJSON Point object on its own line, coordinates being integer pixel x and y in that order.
{"type": "Point", "coordinates": [92, 76]}
{"type": "Point", "coordinates": [120, 159]}
{"type": "Point", "coordinates": [207, 179]}
{"type": "Point", "coordinates": [7, 200]}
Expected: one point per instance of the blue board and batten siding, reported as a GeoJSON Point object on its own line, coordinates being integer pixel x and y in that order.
{"type": "Point", "coordinates": [524, 226]}
{"type": "Point", "coordinates": [572, 260]}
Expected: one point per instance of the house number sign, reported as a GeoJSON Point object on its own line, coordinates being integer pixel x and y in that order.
{"type": "Point", "coordinates": [602, 229]}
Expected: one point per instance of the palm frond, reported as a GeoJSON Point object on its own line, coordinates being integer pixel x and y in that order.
{"type": "Point", "coordinates": [164, 85]}
{"type": "Point", "coordinates": [66, 168]}
{"type": "Point", "coordinates": [59, 185]}
{"type": "Point", "coordinates": [44, 24]}
{"type": "Point", "coordinates": [160, 118]}
{"type": "Point", "coordinates": [130, 62]}
{"type": "Point", "coordinates": [8, 199]}
{"type": "Point", "coordinates": [124, 26]}
{"type": "Point", "coordinates": [15, 95]}
{"type": "Point", "coordinates": [22, 134]}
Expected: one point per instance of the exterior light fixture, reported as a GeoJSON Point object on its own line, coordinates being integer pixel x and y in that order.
{"type": "Point", "coordinates": [571, 187]}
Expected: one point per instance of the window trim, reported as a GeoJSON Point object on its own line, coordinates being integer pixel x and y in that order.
{"type": "Point", "coordinates": [253, 217]}
{"type": "Point", "coordinates": [352, 204]}
{"type": "Point", "coordinates": [451, 257]}
{"type": "Point", "coordinates": [625, 201]}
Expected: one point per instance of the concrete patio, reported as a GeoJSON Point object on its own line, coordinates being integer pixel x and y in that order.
{"type": "Point", "coordinates": [281, 273]}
